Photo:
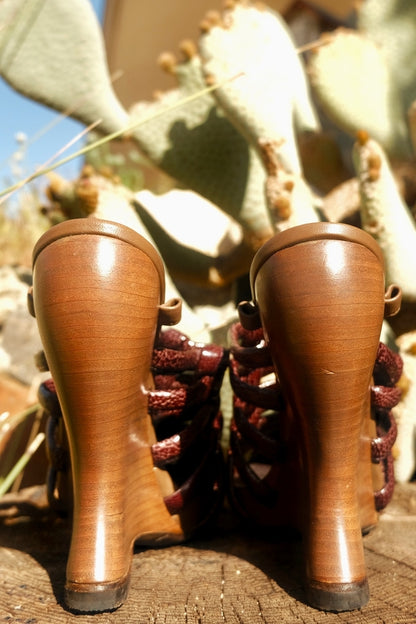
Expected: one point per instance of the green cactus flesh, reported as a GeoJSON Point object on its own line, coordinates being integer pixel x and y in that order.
{"type": "Point", "coordinates": [384, 214]}
{"type": "Point", "coordinates": [53, 52]}
{"type": "Point", "coordinates": [198, 146]}
{"type": "Point", "coordinates": [270, 100]}
{"type": "Point", "coordinates": [366, 78]}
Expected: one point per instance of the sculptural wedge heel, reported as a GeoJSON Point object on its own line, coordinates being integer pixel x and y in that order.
{"type": "Point", "coordinates": [98, 292]}
{"type": "Point", "coordinates": [318, 290]}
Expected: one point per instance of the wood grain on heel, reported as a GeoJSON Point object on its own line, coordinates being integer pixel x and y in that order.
{"type": "Point", "coordinates": [320, 292]}
{"type": "Point", "coordinates": [96, 295]}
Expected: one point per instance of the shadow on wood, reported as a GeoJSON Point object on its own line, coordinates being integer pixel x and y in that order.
{"type": "Point", "coordinates": [232, 576]}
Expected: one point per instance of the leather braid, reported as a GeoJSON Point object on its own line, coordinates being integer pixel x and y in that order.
{"type": "Point", "coordinates": [251, 363]}
{"type": "Point", "coordinates": [185, 401]}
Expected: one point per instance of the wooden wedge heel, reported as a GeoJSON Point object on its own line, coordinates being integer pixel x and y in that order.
{"type": "Point", "coordinates": [98, 292]}
{"type": "Point", "coordinates": [318, 293]}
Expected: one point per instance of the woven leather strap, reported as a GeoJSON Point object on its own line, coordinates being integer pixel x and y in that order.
{"type": "Point", "coordinates": [184, 407]}
{"type": "Point", "coordinates": [257, 391]}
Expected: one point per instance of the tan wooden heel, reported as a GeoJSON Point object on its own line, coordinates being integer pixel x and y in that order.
{"type": "Point", "coordinates": [98, 291]}
{"type": "Point", "coordinates": [319, 289]}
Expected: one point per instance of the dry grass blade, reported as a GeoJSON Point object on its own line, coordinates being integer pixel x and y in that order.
{"type": "Point", "coordinates": [8, 192]}
{"type": "Point", "coordinates": [58, 119]}
{"type": "Point", "coordinates": [33, 434]}
{"type": "Point", "coordinates": [115, 135]}
{"type": "Point", "coordinates": [312, 45]}
{"type": "Point", "coordinates": [65, 114]}
{"type": "Point", "coordinates": [13, 436]}
{"type": "Point", "coordinates": [11, 421]}
{"type": "Point", "coordinates": [21, 463]}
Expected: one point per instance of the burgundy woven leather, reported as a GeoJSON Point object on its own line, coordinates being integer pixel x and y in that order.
{"type": "Point", "coordinates": [184, 407]}
{"type": "Point", "coordinates": [260, 410]}
{"type": "Point", "coordinates": [385, 395]}
{"type": "Point", "coordinates": [174, 352]}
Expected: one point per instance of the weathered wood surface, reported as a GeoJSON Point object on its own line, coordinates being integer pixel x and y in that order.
{"type": "Point", "coordinates": [232, 578]}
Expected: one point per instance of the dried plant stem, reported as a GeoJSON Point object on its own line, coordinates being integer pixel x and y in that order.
{"type": "Point", "coordinates": [33, 433]}
{"type": "Point", "coordinates": [58, 119]}
{"type": "Point", "coordinates": [8, 421]}
{"type": "Point", "coordinates": [312, 45]}
{"type": "Point", "coordinates": [8, 192]}
{"type": "Point", "coordinates": [115, 135]}
{"type": "Point", "coordinates": [21, 463]}
{"type": "Point", "coordinates": [67, 113]}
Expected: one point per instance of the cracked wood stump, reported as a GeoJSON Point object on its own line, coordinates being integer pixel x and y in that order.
{"type": "Point", "coordinates": [234, 577]}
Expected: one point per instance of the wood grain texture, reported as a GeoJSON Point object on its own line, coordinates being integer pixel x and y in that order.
{"type": "Point", "coordinates": [321, 303]}
{"type": "Point", "coordinates": [97, 288]}
{"type": "Point", "coordinates": [232, 577]}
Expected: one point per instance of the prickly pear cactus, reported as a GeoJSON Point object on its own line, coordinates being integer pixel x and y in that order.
{"type": "Point", "coordinates": [270, 100]}
{"type": "Point", "coordinates": [289, 199]}
{"type": "Point", "coordinates": [198, 146]}
{"type": "Point", "coordinates": [391, 25]}
{"type": "Point", "coordinates": [365, 79]}
{"type": "Point", "coordinates": [53, 52]}
{"type": "Point", "coordinates": [384, 214]}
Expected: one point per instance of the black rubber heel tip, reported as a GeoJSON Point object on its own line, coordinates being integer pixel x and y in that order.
{"type": "Point", "coordinates": [338, 597]}
{"type": "Point", "coordinates": [96, 598]}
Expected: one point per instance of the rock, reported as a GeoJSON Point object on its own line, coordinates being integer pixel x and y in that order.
{"type": "Point", "coordinates": [19, 337]}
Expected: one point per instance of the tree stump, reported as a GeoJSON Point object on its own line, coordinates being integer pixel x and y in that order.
{"type": "Point", "coordinates": [234, 576]}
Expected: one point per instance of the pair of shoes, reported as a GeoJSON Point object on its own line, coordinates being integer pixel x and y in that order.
{"type": "Point", "coordinates": [133, 409]}
{"type": "Point", "coordinates": [140, 406]}
{"type": "Point", "coordinates": [314, 389]}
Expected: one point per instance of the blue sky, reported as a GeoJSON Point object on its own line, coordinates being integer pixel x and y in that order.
{"type": "Point", "coordinates": [19, 114]}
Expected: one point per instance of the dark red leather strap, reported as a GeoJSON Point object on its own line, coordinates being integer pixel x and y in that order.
{"type": "Point", "coordinates": [250, 363]}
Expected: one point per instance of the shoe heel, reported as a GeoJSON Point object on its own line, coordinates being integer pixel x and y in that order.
{"type": "Point", "coordinates": [97, 295]}
{"type": "Point", "coordinates": [319, 289]}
